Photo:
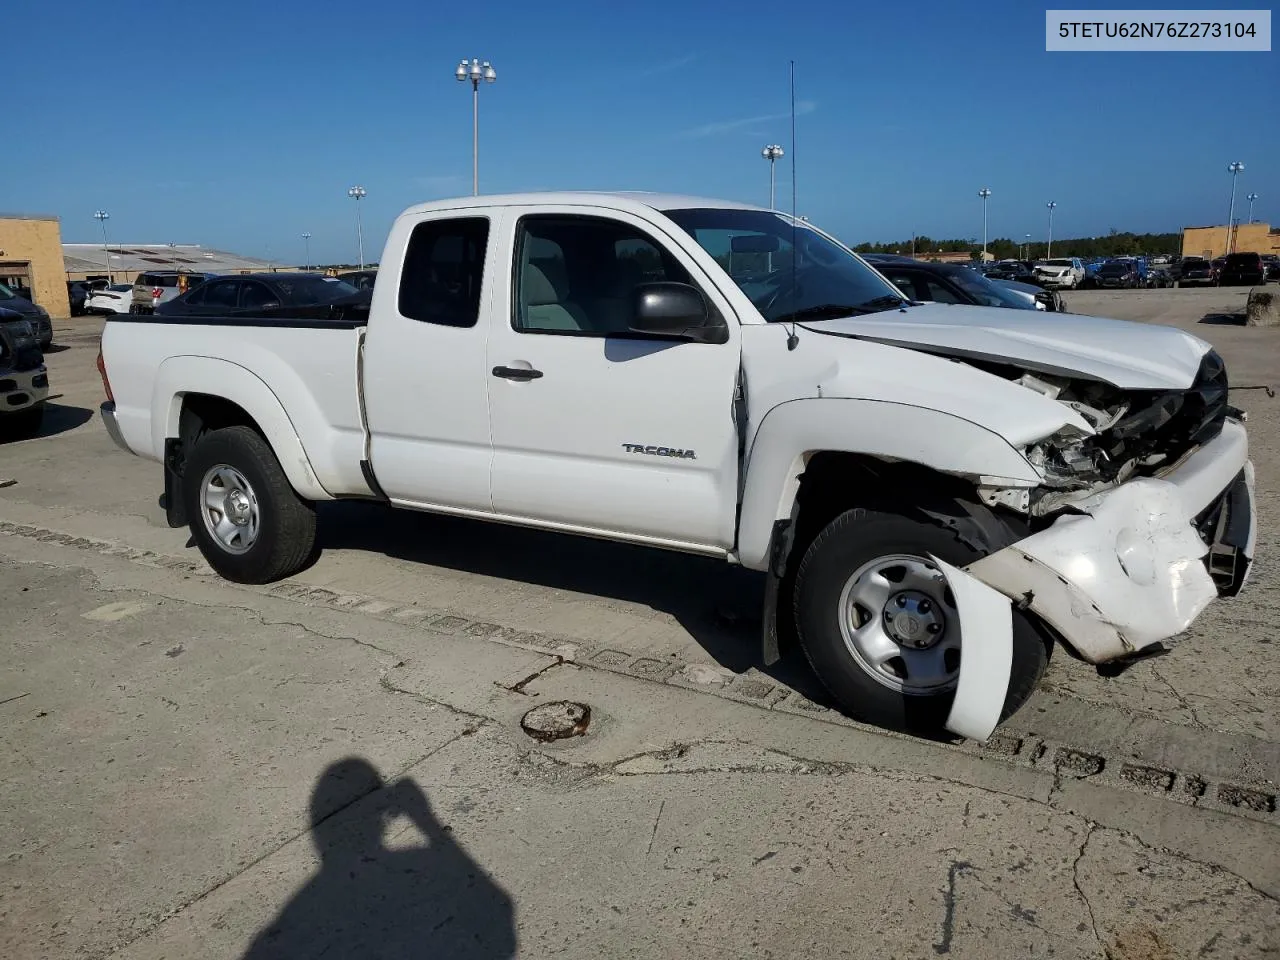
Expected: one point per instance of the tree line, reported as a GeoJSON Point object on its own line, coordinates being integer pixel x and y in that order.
{"type": "Point", "coordinates": [1114, 244]}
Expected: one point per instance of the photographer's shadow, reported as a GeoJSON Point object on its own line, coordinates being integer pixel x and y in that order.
{"type": "Point", "coordinates": [370, 901]}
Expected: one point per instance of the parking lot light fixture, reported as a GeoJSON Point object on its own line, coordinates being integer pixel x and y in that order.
{"type": "Point", "coordinates": [1048, 250]}
{"type": "Point", "coordinates": [357, 193]}
{"type": "Point", "coordinates": [1251, 197]}
{"type": "Point", "coordinates": [984, 193]}
{"type": "Point", "coordinates": [1233, 169]}
{"type": "Point", "coordinates": [306, 239]}
{"type": "Point", "coordinates": [772, 153]}
{"type": "Point", "coordinates": [102, 217]}
{"type": "Point", "coordinates": [475, 71]}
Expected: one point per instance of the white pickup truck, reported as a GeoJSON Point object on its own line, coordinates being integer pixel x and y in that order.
{"type": "Point", "coordinates": [937, 493]}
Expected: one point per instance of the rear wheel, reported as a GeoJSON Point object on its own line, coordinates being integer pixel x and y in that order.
{"type": "Point", "coordinates": [879, 624]}
{"type": "Point", "coordinates": [245, 517]}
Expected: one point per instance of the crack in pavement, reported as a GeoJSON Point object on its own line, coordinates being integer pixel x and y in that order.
{"type": "Point", "coordinates": [1075, 881]}
{"type": "Point", "coordinates": [1177, 695]}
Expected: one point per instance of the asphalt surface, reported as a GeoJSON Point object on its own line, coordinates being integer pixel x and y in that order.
{"type": "Point", "coordinates": [175, 785]}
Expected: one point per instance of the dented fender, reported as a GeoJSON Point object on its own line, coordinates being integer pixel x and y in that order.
{"type": "Point", "coordinates": [986, 662]}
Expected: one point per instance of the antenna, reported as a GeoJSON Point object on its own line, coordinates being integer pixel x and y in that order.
{"type": "Point", "coordinates": [792, 340]}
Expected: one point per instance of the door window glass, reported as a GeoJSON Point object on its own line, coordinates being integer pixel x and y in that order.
{"type": "Point", "coordinates": [444, 271]}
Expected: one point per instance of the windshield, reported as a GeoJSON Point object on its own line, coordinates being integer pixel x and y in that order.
{"type": "Point", "coordinates": [987, 293]}
{"type": "Point", "coordinates": [1115, 268]}
{"type": "Point", "coordinates": [6, 293]}
{"type": "Point", "coordinates": [315, 289]}
{"type": "Point", "coordinates": [813, 279]}
{"type": "Point", "coordinates": [1059, 263]}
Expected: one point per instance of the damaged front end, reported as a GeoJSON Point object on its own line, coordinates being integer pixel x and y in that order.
{"type": "Point", "coordinates": [1138, 525]}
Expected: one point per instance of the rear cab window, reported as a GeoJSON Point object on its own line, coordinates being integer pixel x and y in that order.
{"type": "Point", "coordinates": [443, 271]}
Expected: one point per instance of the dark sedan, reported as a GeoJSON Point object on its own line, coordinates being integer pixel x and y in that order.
{"type": "Point", "coordinates": [36, 314]}
{"type": "Point", "coordinates": [1118, 273]}
{"type": "Point", "coordinates": [282, 296]}
{"type": "Point", "coordinates": [948, 283]}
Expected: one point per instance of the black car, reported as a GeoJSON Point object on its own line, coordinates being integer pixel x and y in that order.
{"type": "Point", "coordinates": [77, 294]}
{"type": "Point", "coordinates": [24, 381]}
{"type": "Point", "coordinates": [360, 279]}
{"type": "Point", "coordinates": [37, 315]}
{"type": "Point", "coordinates": [1243, 268]}
{"type": "Point", "coordinates": [947, 283]}
{"type": "Point", "coordinates": [1122, 274]}
{"type": "Point", "coordinates": [1192, 271]}
{"type": "Point", "coordinates": [1017, 270]}
{"type": "Point", "coordinates": [284, 296]}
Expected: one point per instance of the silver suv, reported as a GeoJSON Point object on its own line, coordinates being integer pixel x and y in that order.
{"type": "Point", "coordinates": [157, 287]}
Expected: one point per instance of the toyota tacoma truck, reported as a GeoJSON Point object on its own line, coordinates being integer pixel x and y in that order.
{"type": "Point", "coordinates": [937, 494]}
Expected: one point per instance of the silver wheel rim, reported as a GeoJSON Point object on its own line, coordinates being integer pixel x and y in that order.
{"type": "Point", "coordinates": [230, 509]}
{"type": "Point", "coordinates": [900, 624]}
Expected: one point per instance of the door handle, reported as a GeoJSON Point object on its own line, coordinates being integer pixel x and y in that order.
{"type": "Point", "coordinates": [516, 373]}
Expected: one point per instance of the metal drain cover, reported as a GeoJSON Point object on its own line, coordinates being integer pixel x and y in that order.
{"type": "Point", "coordinates": [556, 721]}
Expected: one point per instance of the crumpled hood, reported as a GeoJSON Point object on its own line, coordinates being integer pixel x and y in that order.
{"type": "Point", "coordinates": [1131, 356]}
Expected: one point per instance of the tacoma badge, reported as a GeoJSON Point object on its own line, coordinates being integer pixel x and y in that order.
{"type": "Point", "coordinates": [659, 451]}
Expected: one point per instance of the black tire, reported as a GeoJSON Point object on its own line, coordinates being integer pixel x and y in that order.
{"type": "Point", "coordinates": [859, 536]}
{"type": "Point", "coordinates": [287, 523]}
{"type": "Point", "coordinates": [22, 425]}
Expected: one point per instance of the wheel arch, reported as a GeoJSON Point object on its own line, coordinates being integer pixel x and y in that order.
{"type": "Point", "coordinates": [193, 394]}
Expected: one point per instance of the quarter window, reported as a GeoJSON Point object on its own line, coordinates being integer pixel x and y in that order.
{"type": "Point", "coordinates": [222, 294]}
{"type": "Point", "coordinates": [444, 271]}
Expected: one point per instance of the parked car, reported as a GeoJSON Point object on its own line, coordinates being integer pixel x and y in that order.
{"type": "Point", "coordinates": [1272, 263]}
{"type": "Point", "coordinates": [910, 479]}
{"type": "Point", "coordinates": [1216, 266]}
{"type": "Point", "coordinates": [36, 314]}
{"type": "Point", "coordinates": [1121, 274]}
{"type": "Point", "coordinates": [115, 298]}
{"type": "Point", "coordinates": [77, 294]}
{"type": "Point", "coordinates": [360, 279]}
{"type": "Point", "coordinates": [1018, 270]}
{"type": "Point", "coordinates": [157, 287]}
{"type": "Point", "coordinates": [1243, 268]}
{"type": "Point", "coordinates": [24, 381]}
{"type": "Point", "coordinates": [1192, 271]}
{"type": "Point", "coordinates": [271, 296]}
{"type": "Point", "coordinates": [948, 283]}
{"type": "Point", "coordinates": [1065, 273]}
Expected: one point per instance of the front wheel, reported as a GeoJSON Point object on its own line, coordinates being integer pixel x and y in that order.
{"type": "Point", "coordinates": [879, 624]}
{"type": "Point", "coordinates": [245, 517]}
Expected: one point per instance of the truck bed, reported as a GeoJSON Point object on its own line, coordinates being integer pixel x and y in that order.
{"type": "Point", "coordinates": [305, 373]}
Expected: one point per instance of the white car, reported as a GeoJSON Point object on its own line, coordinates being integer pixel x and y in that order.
{"type": "Point", "coordinates": [113, 299]}
{"type": "Point", "coordinates": [722, 380]}
{"type": "Point", "coordinates": [1064, 273]}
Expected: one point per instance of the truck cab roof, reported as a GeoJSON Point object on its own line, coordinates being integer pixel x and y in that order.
{"type": "Point", "coordinates": [614, 200]}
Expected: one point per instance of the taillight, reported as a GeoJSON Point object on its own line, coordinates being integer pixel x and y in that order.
{"type": "Point", "coordinates": [157, 293]}
{"type": "Point", "coordinates": [106, 384]}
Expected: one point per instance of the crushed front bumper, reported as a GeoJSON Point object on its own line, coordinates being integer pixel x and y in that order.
{"type": "Point", "coordinates": [1138, 563]}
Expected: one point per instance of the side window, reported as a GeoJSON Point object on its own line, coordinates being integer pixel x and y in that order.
{"type": "Point", "coordinates": [904, 281]}
{"type": "Point", "coordinates": [577, 275]}
{"type": "Point", "coordinates": [937, 293]}
{"type": "Point", "coordinates": [196, 298]}
{"type": "Point", "coordinates": [444, 271]}
{"type": "Point", "coordinates": [222, 294]}
{"type": "Point", "coordinates": [254, 295]}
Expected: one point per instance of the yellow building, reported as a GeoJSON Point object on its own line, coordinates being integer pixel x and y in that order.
{"type": "Point", "coordinates": [31, 260]}
{"type": "Point", "coordinates": [1210, 242]}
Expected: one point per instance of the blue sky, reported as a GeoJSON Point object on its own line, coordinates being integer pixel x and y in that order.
{"type": "Point", "coordinates": [241, 125]}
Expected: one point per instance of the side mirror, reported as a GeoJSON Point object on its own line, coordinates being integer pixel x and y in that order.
{"type": "Point", "coordinates": [677, 311]}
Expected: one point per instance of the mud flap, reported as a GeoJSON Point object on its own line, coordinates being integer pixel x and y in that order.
{"type": "Point", "coordinates": [986, 654]}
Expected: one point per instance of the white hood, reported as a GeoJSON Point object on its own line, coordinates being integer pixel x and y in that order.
{"type": "Point", "coordinates": [1131, 356]}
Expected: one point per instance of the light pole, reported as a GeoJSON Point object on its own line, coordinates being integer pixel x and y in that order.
{"type": "Point", "coordinates": [984, 193]}
{"type": "Point", "coordinates": [356, 193]}
{"type": "Point", "coordinates": [1233, 169]}
{"type": "Point", "coordinates": [306, 239]}
{"type": "Point", "coordinates": [102, 217]}
{"type": "Point", "coordinates": [1025, 244]}
{"type": "Point", "coordinates": [1251, 197]}
{"type": "Point", "coordinates": [475, 71]}
{"type": "Point", "coordinates": [1048, 250]}
{"type": "Point", "coordinates": [772, 153]}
